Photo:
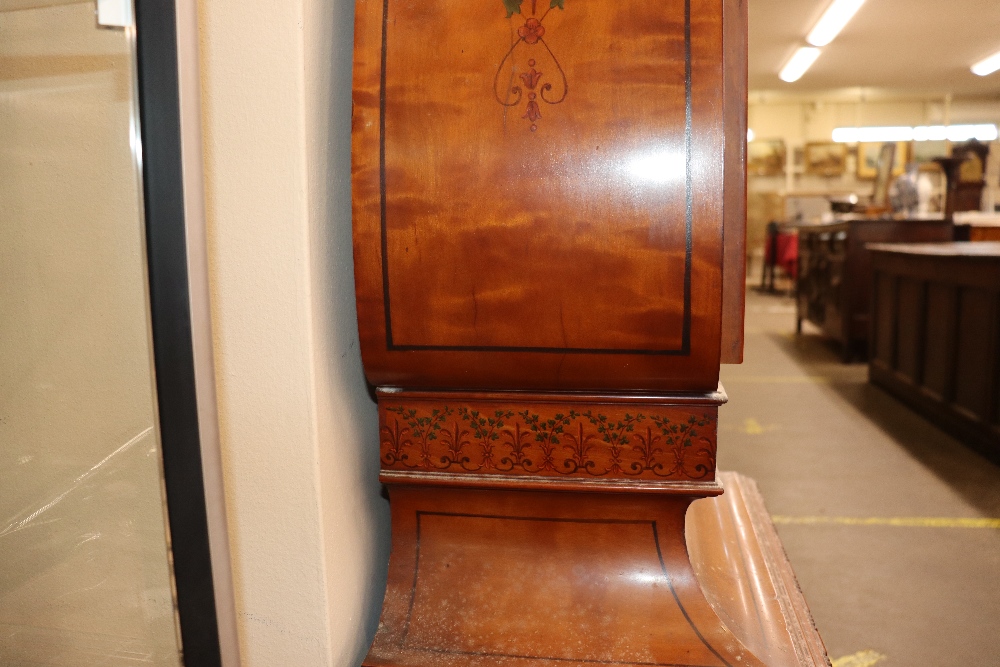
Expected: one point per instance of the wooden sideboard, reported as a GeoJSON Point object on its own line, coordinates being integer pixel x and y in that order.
{"type": "Point", "coordinates": [976, 226]}
{"type": "Point", "coordinates": [549, 207]}
{"type": "Point", "coordinates": [834, 279]}
{"type": "Point", "coordinates": [936, 334]}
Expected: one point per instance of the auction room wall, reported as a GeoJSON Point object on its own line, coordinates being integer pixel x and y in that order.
{"type": "Point", "coordinates": [803, 120]}
{"type": "Point", "coordinates": [309, 528]}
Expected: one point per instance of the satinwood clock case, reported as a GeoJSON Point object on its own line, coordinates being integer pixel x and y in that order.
{"type": "Point", "coordinates": [549, 214]}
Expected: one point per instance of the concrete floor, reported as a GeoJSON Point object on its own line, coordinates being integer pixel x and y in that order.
{"type": "Point", "coordinates": [824, 446]}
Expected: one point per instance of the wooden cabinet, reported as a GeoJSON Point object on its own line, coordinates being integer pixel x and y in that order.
{"type": "Point", "coordinates": [976, 226]}
{"type": "Point", "coordinates": [834, 278]}
{"type": "Point", "coordinates": [936, 334]}
{"type": "Point", "coordinates": [549, 213]}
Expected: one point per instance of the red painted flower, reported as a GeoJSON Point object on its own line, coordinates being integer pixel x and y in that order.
{"type": "Point", "coordinates": [531, 78]}
{"type": "Point", "coordinates": [531, 31]}
{"type": "Point", "coordinates": [533, 113]}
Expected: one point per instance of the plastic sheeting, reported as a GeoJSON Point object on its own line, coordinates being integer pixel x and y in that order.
{"type": "Point", "coordinates": [85, 576]}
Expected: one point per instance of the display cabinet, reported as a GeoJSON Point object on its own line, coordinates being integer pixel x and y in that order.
{"type": "Point", "coordinates": [936, 334]}
{"type": "Point", "coordinates": [833, 285]}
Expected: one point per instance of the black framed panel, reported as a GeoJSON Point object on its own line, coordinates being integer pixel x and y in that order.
{"type": "Point", "coordinates": [159, 111]}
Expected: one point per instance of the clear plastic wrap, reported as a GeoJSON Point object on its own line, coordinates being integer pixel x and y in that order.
{"type": "Point", "coordinates": [85, 576]}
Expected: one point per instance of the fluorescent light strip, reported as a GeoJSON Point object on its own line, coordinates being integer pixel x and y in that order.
{"type": "Point", "coordinates": [836, 16]}
{"type": "Point", "coordinates": [988, 66]}
{"type": "Point", "coordinates": [797, 65]}
{"type": "Point", "coordinates": [853, 135]}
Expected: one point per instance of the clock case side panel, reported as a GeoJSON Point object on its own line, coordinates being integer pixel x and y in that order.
{"type": "Point", "coordinates": [695, 370]}
{"type": "Point", "coordinates": [735, 42]}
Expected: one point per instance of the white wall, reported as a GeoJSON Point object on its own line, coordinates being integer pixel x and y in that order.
{"type": "Point", "coordinates": [802, 120]}
{"type": "Point", "coordinates": [309, 529]}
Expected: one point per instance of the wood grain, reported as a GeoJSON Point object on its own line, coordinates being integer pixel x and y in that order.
{"type": "Point", "coordinates": [588, 249]}
{"type": "Point", "coordinates": [734, 102]}
{"type": "Point", "coordinates": [613, 585]}
{"type": "Point", "coordinates": [549, 212]}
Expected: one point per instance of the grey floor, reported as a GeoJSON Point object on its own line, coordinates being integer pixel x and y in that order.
{"type": "Point", "coordinates": [826, 449]}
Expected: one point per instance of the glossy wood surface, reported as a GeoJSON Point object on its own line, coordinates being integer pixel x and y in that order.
{"type": "Point", "coordinates": [549, 212]}
{"type": "Point", "coordinates": [936, 334]}
{"type": "Point", "coordinates": [539, 198]}
{"type": "Point", "coordinates": [735, 44]}
{"type": "Point", "coordinates": [611, 584]}
{"type": "Point", "coordinates": [743, 570]}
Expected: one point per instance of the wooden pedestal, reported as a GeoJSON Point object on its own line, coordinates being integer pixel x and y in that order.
{"type": "Point", "coordinates": [550, 529]}
{"type": "Point", "coordinates": [509, 577]}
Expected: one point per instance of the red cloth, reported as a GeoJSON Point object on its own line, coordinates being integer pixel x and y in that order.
{"type": "Point", "coordinates": [787, 245]}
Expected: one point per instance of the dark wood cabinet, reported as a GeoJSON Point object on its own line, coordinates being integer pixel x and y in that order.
{"type": "Point", "coordinates": [834, 277]}
{"type": "Point", "coordinates": [936, 334]}
{"type": "Point", "coordinates": [977, 226]}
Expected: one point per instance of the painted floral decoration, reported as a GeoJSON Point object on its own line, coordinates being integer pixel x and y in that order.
{"type": "Point", "coordinates": [531, 34]}
{"type": "Point", "coordinates": [531, 31]}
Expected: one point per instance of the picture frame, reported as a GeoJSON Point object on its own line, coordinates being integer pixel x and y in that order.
{"type": "Point", "coordinates": [766, 157]}
{"type": "Point", "coordinates": [825, 158]}
{"type": "Point", "coordinates": [868, 157]}
{"type": "Point", "coordinates": [884, 172]}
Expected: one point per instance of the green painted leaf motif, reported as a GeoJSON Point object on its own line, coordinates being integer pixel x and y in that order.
{"type": "Point", "coordinates": [557, 3]}
{"type": "Point", "coordinates": [514, 6]}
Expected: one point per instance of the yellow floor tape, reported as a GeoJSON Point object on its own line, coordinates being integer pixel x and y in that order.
{"type": "Point", "coordinates": [860, 659]}
{"type": "Point", "coordinates": [905, 522]}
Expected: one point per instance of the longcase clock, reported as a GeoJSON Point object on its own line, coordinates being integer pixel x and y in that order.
{"type": "Point", "coordinates": [549, 214]}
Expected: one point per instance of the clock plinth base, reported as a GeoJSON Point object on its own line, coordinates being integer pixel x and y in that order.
{"type": "Point", "coordinates": [521, 577]}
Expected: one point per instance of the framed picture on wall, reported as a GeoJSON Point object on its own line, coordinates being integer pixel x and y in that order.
{"type": "Point", "coordinates": [825, 158]}
{"type": "Point", "coordinates": [766, 157]}
{"type": "Point", "coordinates": [868, 155]}
{"type": "Point", "coordinates": [884, 170]}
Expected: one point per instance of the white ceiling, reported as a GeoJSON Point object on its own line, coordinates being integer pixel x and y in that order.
{"type": "Point", "coordinates": [902, 47]}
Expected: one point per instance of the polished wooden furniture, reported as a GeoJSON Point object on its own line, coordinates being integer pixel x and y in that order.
{"type": "Point", "coordinates": [936, 334]}
{"type": "Point", "coordinates": [833, 286]}
{"type": "Point", "coordinates": [964, 177]}
{"type": "Point", "coordinates": [549, 209]}
{"type": "Point", "coordinates": [975, 226]}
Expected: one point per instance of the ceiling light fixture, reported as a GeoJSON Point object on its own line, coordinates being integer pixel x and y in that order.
{"type": "Point", "coordinates": [987, 66]}
{"type": "Point", "coordinates": [853, 135]}
{"type": "Point", "coordinates": [836, 16]}
{"type": "Point", "coordinates": [797, 65]}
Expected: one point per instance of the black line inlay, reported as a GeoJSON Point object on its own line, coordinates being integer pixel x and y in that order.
{"type": "Point", "coordinates": [688, 186]}
{"type": "Point", "coordinates": [685, 348]}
